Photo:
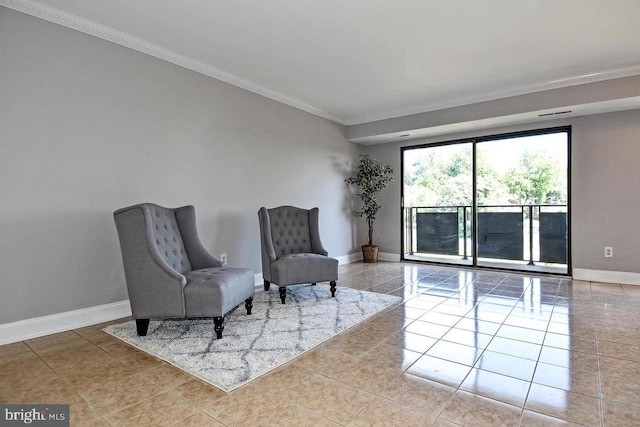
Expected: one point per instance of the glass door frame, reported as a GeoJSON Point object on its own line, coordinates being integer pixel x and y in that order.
{"type": "Point", "coordinates": [474, 208]}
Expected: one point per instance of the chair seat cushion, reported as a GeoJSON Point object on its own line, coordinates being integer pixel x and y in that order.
{"type": "Point", "coordinates": [299, 268]}
{"type": "Point", "coordinates": [212, 292]}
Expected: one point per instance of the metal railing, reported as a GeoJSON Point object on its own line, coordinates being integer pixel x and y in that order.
{"type": "Point", "coordinates": [532, 232]}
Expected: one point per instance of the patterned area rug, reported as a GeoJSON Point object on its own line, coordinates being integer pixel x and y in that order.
{"type": "Point", "coordinates": [253, 345]}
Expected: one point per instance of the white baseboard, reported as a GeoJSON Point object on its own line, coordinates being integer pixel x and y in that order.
{"type": "Point", "coordinates": [46, 325]}
{"type": "Point", "coordinates": [622, 277]}
{"type": "Point", "coordinates": [387, 256]}
{"type": "Point", "coordinates": [355, 257]}
{"type": "Point", "coordinates": [258, 280]}
{"type": "Point", "coordinates": [349, 258]}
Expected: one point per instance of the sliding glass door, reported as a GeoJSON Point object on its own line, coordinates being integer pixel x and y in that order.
{"type": "Point", "coordinates": [497, 201]}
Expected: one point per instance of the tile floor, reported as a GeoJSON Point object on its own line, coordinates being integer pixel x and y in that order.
{"type": "Point", "coordinates": [471, 348]}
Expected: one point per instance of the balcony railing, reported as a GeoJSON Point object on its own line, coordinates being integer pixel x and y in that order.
{"type": "Point", "coordinates": [531, 233]}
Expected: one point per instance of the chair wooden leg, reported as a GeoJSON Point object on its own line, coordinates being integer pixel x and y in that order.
{"type": "Point", "coordinates": [267, 284]}
{"type": "Point", "coordinates": [142, 325]}
{"type": "Point", "coordinates": [218, 326]}
{"type": "Point", "coordinates": [333, 288]}
{"type": "Point", "coordinates": [248, 304]}
{"type": "Point", "coordinates": [283, 293]}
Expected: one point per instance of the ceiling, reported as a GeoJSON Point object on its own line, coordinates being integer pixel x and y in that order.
{"type": "Point", "coordinates": [358, 61]}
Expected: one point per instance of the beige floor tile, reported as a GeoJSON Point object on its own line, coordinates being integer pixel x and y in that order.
{"type": "Point", "coordinates": [410, 341]}
{"type": "Point", "coordinates": [505, 364]}
{"type": "Point", "coordinates": [568, 342]}
{"type": "Point", "coordinates": [532, 336]}
{"type": "Point", "coordinates": [440, 370]}
{"type": "Point", "coordinates": [367, 376]}
{"type": "Point", "coordinates": [11, 362]}
{"type": "Point", "coordinates": [325, 361]}
{"type": "Point", "coordinates": [167, 376]}
{"type": "Point", "coordinates": [622, 337]}
{"type": "Point", "coordinates": [454, 352]}
{"type": "Point", "coordinates": [160, 410]}
{"type": "Point", "coordinates": [292, 415]}
{"type": "Point", "coordinates": [620, 415]}
{"type": "Point", "coordinates": [624, 391]}
{"type": "Point", "coordinates": [353, 344]}
{"type": "Point", "coordinates": [53, 339]}
{"type": "Point", "coordinates": [611, 367]}
{"type": "Point", "coordinates": [133, 357]}
{"type": "Point", "coordinates": [81, 414]}
{"type": "Point", "coordinates": [288, 383]}
{"type": "Point", "coordinates": [119, 394]}
{"type": "Point", "coordinates": [427, 329]}
{"type": "Point", "coordinates": [497, 387]}
{"type": "Point", "coordinates": [407, 312]}
{"type": "Point", "coordinates": [533, 419]}
{"type": "Point", "coordinates": [198, 393]}
{"type": "Point", "coordinates": [15, 348]}
{"type": "Point", "coordinates": [392, 357]}
{"type": "Point", "coordinates": [81, 357]}
{"type": "Point", "coordinates": [619, 350]}
{"type": "Point", "coordinates": [515, 348]}
{"type": "Point", "coordinates": [570, 379]}
{"type": "Point", "coordinates": [88, 331]}
{"type": "Point", "coordinates": [198, 420]}
{"type": "Point", "coordinates": [386, 324]}
{"type": "Point", "coordinates": [334, 400]}
{"type": "Point", "coordinates": [248, 404]}
{"type": "Point", "coordinates": [50, 389]}
{"type": "Point", "coordinates": [575, 360]}
{"type": "Point", "coordinates": [62, 349]}
{"type": "Point", "coordinates": [573, 329]}
{"type": "Point", "coordinates": [383, 412]}
{"type": "Point", "coordinates": [566, 405]}
{"type": "Point", "coordinates": [468, 409]}
{"type": "Point", "coordinates": [23, 378]}
{"type": "Point", "coordinates": [419, 393]}
{"type": "Point", "coordinates": [92, 377]}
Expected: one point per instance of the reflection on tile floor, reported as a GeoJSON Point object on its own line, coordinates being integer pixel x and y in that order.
{"type": "Point", "coordinates": [464, 347]}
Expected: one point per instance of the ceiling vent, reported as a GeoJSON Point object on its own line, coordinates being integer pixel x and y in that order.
{"type": "Point", "coordinates": [554, 114]}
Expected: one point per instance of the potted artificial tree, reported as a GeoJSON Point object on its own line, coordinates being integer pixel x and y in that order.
{"type": "Point", "coordinates": [371, 178]}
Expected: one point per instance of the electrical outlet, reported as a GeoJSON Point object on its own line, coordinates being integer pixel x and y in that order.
{"type": "Point", "coordinates": [223, 259]}
{"type": "Point", "coordinates": [608, 252]}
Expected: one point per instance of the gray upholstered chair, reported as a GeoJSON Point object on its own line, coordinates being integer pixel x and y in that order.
{"type": "Point", "coordinates": [292, 253]}
{"type": "Point", "coordinates": [170, 274]}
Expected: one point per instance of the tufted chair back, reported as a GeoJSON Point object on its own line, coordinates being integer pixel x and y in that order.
{"type": "Point", "coordinates": [168, 239]}
{"type": "Point", "coordinates": [290, 230]}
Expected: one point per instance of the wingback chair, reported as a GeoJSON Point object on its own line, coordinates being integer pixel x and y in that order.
{"type": "Point", "coordinates": [170, 274]}
{"type": "Point", "coordinates": [292, 252]}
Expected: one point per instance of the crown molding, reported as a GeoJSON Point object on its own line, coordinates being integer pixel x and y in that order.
{"type": "Point", "coordinates": [492, 96]}
{"type": "Point", "coordinates": [107, 33]}
{"type": "Point", "coordinates": [60, 17]}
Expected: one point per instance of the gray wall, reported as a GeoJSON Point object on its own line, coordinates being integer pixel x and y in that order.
{"type": "Point", "coordinates": [606, 197]}
{"type": "Point", "coordinates": [604, 187]}
{"type": "Point", "coordinates": [87, 126]}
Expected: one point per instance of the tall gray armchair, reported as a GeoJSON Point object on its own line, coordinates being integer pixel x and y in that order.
{"type": "Point", "coordinates": [170, 274]}
{"type": "Point", "coordinates": [292, 252]}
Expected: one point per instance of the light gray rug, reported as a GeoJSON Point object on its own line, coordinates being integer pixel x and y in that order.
{"type": "Point", "coordinates": [253, 345]}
